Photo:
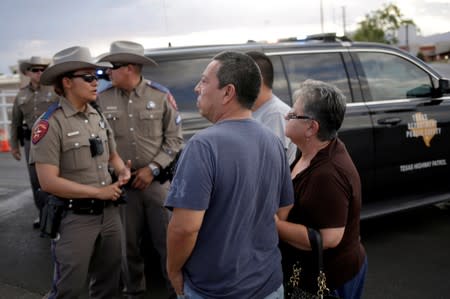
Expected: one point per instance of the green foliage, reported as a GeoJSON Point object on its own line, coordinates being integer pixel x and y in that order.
{"type": "Point", "coordinates": [381, 25]}
{"type": "Point", "coordinates": [420, 56]}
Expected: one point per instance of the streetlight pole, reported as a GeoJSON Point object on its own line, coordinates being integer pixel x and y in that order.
{"type": "Point", "coordinates": [343, 20]}
{"type": "Point", "coordinates": [321, 15]}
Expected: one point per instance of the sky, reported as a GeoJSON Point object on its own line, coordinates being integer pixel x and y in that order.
{"type": "Point", "coordinates": [42, 28]}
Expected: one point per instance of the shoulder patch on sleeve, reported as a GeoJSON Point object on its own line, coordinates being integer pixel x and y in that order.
{"type": "Point", "coordinates": [164, 89]}
{"type": "Point", "coordinates": [178, 119]}
{"type": "Point", "coordinates": [41, 127]}
{"type": "Point", "coordinates": [39, 130]}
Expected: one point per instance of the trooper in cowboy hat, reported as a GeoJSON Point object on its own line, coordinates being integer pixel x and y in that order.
{"type": "Point", "coordinates": [32, 100]}
{"type": "Point", "coordinates": [127, 52]}
{"type": "Point", "coordinates": [72, 148]}
{"type": "Point", "coordinates": [148, 134]}
{"type": "Point", "coordinates": [69, 60]}
{"type": "Point", "coordinates": [34, 61]}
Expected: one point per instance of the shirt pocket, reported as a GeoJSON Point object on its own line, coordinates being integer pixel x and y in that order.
{"type": "Point", "coordinates": [76, 154]}
{"type": "Point", "coordinates": [117, 122]}
{"type": "Point", "coordinates": [151, 123]}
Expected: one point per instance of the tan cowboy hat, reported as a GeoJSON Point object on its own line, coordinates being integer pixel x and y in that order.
{"type": "Point", "coordinates": [68, 60]}
{"type": "Point", "coordinates": [127, 52]}
{"type": "Point", "coordinates": [33, 61]}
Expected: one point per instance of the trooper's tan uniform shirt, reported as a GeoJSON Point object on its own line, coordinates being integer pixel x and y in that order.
{"type": "Point", "coordinates": [146, 127]}
{"type": "Point", "coordinates": [29, 104]}
{"type": "Point", "coordinates": [66, 144]}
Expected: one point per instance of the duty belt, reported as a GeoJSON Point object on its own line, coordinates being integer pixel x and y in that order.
{"type": "Point", "coordinates": [87, 206]}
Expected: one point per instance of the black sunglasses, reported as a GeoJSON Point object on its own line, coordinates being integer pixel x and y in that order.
{"type": "Point", "coordinates": [118, 65]}
{"type": "Point", "coordinates": [294, 116]}
{"type": "Point", "coordinates": [37, 69]}
{"type": "Point", "coordinates": [86, 77]}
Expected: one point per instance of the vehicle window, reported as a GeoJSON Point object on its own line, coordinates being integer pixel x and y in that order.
{"type": "Point", "coordinates": [187, 74]}
{"type": "Point", "coordinates": [391, 77]}
{"type": "Point", "coordinates": [327, 67]}
{"type": "Point", "coordinates": [280, 85]}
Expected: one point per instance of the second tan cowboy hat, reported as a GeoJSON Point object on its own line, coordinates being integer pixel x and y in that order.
{"type": "Point", "coordinates": [33, 61]}
{"type": "Point", "coordinates": [70, 59]}
{"type": "Point", "coordinates": [127, 52]}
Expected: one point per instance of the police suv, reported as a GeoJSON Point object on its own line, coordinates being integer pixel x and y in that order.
{"type": "Point", "coordinates": [397, 123]}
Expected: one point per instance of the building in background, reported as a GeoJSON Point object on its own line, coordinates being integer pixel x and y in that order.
{"type": "Point", "coordinates": [9, 86]}
{"type": "Point", "coordinates": [430, 48]}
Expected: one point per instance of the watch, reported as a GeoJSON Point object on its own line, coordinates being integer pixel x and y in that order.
{"type": "Point", "coordinates": [154, 169]}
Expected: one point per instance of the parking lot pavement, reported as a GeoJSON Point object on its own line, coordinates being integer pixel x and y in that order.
{"type": "Point", "coordinates": [13, 292]}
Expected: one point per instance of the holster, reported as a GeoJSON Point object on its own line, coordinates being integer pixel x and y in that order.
{"type": "Point", "coordinates": [51, 215]}
{"type": "Point", "coordinates": [168, 172]}
{"type": "Point", "coordinates": [20, 136]}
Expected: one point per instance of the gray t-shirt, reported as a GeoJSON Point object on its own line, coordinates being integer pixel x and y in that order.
{"type": "Point", "coordinates": [271, 114]}
{"type": "Point", "coordinates": [237, 171]}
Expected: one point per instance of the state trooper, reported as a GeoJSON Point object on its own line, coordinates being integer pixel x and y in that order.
{"type": "Point", "coordinates": [72, 148]}
{"type": "Point", "coordinates": [31, 101]}
{"type": "Point", "coordinates": [147, 129]}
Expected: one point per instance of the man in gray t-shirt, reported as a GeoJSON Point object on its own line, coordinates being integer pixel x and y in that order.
{"type": "Point", "coordinates": [268, 108]}
{"type": "Point", "coordinates": [231, 179]}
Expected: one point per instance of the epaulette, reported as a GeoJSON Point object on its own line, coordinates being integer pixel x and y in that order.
{"type": "Point", "coordinates": [103, 85]}
{"type": "Point", "coordinates": [41, 128]}
{"type": "Point", "coordinates": [51, 109]}
{"type": "Point", "coordinates": [158, 86]}
{"type": "Point", "coordinates": [164, 89]}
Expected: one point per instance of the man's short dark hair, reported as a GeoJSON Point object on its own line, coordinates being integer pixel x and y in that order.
{"type": "Point", "coordinates": [240, 70]}
{"type": "Point", "coordinates": [265, 66]}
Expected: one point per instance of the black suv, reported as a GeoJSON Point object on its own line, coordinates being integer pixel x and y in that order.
{"type": "Point", "coordinates": [398, 109]}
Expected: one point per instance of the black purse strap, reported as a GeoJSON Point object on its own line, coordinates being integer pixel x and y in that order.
{"type": "Point", "coordinates": [315, 239]}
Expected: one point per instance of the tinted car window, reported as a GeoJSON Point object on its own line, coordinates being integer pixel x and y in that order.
{"type": "Point", "coordinates": [187, 74]}
{"type": "Point", "coordinates": [391, 77]}
{"type": "Point", "coordinates": [326, 67]}
{"type": "Point", "coordinates": [280, 85]}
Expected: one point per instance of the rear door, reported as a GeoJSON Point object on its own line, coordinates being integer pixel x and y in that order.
{"type": "Point", "coordinates": [410, 131]}
{"type": "Point", "coordinates": [356, 132]}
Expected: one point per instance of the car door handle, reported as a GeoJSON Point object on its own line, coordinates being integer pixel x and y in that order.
{"type": "Point", "coordinates": [391, 121]}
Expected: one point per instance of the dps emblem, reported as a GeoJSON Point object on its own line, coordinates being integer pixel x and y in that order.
{"type": "Point", "coordinates": [151, 105]}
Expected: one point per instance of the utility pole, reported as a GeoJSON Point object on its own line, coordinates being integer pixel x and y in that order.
{"type": "Point", "coordinates": [343, 20]}
{"type": "Point", "coordinates": [321, 15]}
{"type": "Point", "coordinates": [407, 37]}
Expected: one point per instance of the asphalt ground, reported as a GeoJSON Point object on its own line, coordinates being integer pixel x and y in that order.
{"type": "Point", "coordinates": [408, 252]}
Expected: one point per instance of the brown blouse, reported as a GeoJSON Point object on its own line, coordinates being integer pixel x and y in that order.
{"type": "Point", "coordinates": [327, 195]}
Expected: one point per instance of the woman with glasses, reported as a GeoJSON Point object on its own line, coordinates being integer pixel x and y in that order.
{"type": "Point", "coordinates": [31, 101]}
{"type": "Point", "coordinates": [72, 148]}
{"type": "Point", "coordinates": [327, 196]}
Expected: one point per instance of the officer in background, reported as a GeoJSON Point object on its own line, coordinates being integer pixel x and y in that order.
{"type": "Point", "coordinates": [147, 129]}
{"type": "Point", "coordinates": [31, 101]}
{"type": "Point", "coordinates": [72, 148]}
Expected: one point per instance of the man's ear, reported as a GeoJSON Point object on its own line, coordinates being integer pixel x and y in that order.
{"type": "Point", "coordinates": [229, 93]}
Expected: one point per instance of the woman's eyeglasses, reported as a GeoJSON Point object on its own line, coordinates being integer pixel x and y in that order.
{"type": "Point", "coordinates": [292, 115]}
{"type": "Point", "coordinates": [86, 77]}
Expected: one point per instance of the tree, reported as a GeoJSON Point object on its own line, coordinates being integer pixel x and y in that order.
{"type": "Point", "coordinates": [381, 25]}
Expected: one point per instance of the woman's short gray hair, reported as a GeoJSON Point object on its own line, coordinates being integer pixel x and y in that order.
{"type": "Point", "coordinates": [323, 102]}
